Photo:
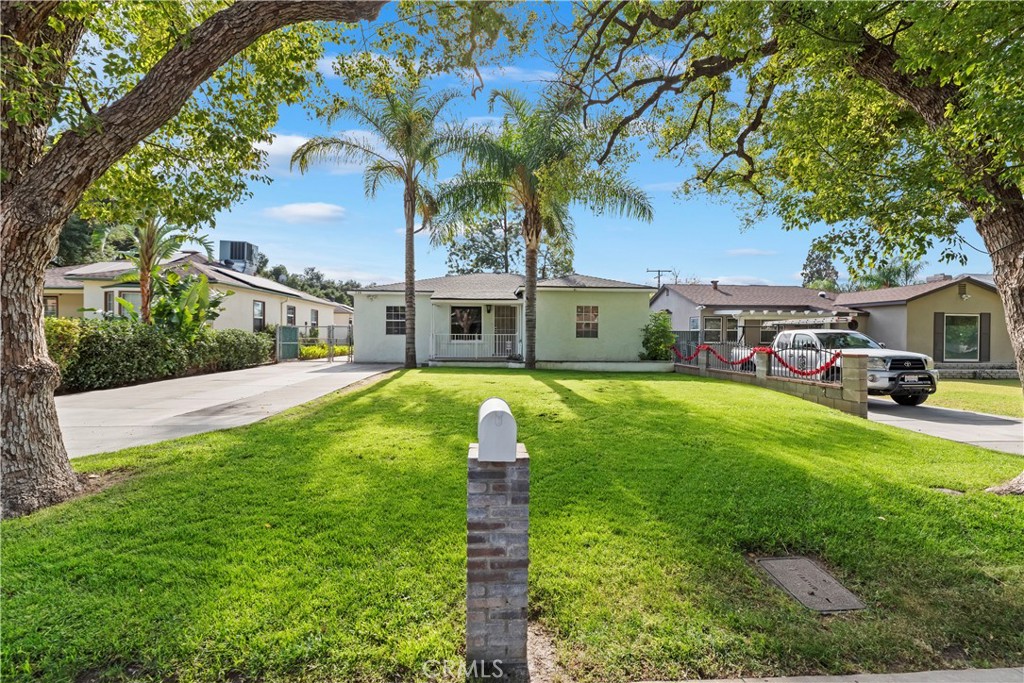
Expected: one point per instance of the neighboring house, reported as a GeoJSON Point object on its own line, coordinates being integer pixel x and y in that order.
{"type": "Point", "coordinates": [480, 317]}
{"type": "Point", "coordinates": [953, 320]}
{"type": "Point", "coordinates": [342, 315]}
{"type": "Point", "coordinates": [255, 303]}
{"type": "Point", "coordinates": [62, 297]}
{"type": "Point", "coordinates": [751, 314]}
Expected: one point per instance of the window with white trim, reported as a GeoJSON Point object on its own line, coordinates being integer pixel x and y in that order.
{"type": "Point", "coordinates": [134, 297]}
{"type": "Point", "coordinates": [314, 318]}
{"type": "Point", "coordinates": [259, 316]}
{"type": "Point", "coordinates": [289, 315]}
{"type": "Point", "coordinates": [732, 330]}
{"type": "Point", "coordinates": [961, 337]}
{"type": "Point", "coordinates": [586, 322]}
{"type": "Point", "coordinates": [712, 330]}
{"type": "Point", "coordinates": [394, 320]}
{"type": "Point", "coordinates": [50, 306]}
{"type": "Point", "coordinates": [466, 323]}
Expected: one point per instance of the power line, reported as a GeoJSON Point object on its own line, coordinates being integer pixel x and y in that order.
{"type": "Point", "coordinates": [659, 271]}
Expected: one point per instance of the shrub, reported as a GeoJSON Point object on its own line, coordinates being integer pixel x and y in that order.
{"type": "Point", "coordinates": [113, 353]}
{"type": "Point", "coordinates": [658, 337]}
{"type": "Point", "coordinates": [320, 351]}
{"type": "Point", "coordinates": [237, 349]}
{"type": "Point", "coordinates": [62, 339]}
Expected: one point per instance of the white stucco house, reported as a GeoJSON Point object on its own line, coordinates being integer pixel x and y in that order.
{"type": "Point", "coordinates": [583, 322]}
{"type": "Point", "coordinates": [92, 290]}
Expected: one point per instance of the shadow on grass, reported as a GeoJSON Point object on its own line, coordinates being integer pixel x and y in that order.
{"type": "Point", "coordinates": [329, 542]}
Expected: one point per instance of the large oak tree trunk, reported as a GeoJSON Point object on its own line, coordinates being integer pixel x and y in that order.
{"type": "Point", "coordinates": [41, 191]}
{"type": "Point", "coordinates": [999, 217]}
{"type": "Point", "coordinates": [410, 275]}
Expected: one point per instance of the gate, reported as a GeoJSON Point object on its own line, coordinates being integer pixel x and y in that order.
{"type": "Point", "coordinates": [287, 342]}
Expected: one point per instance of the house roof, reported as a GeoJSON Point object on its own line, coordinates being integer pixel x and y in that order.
{"type": "Point", "coordinates": [214, 271]}
{"type": "Point", "coordinates": [497, 286]}
{"type": "Point", "coordinates": [576, 281]}
{"type": "Point", "coordinates": [759, 297]}
{"type": "Point", "coordinates": [898, 295]}
{"type": "Point", "coordinates": [342, 308]}
{"type": "Point", "coordinates": [55, 278]}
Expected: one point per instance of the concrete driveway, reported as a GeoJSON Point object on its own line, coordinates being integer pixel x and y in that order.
{"type": "Point", "coordinates": [978, 429]}
{"type": "Point", "coordinates": [112, 419]}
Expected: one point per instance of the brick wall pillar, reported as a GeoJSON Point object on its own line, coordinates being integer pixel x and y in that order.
{"type": "Point", "coordinates": [855, 382]}
{"type": "Point", "coordinates": [702, 363]}
{"type": "Point", "coordinates": [497, 564]}
{"type": "Point", "coordinates": [763, 361]}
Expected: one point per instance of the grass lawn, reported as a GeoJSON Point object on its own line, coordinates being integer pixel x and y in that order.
{"type": "Point", "coordinates": [993, 396]}
{"type": "Point", "coordinates": [328, 543]}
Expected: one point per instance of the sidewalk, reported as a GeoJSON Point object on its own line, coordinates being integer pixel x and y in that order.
{"type": "Point", "coordinates": [948, 676]}
{"type": "Point", "coordinates": [112, 419]}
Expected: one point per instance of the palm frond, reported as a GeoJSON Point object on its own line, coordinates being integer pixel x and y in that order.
{"type": "Point", "coordinates": [344, 148]}
{"type": "Point", "coordinates": [603, 191]}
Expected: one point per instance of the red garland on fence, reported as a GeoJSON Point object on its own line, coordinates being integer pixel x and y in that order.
{"type": "Point", "coordinates": [770, 351]}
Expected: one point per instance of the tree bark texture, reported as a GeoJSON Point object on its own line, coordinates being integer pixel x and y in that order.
{"type": "Point", "coordinates": [531, 237]}
{"type": "Point", "coordinates": [999, 218]}
{"type": "Point", "coordinates": [40, 191]}
{"type": "Point", "coordinates": [410, 274]}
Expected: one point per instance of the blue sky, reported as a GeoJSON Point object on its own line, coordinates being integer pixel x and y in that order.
{"type": "Point", "coordinates": [322, 218]}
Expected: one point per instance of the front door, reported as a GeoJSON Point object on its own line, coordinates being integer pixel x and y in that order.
{"type": "Point", "coordinates": [505, 342]}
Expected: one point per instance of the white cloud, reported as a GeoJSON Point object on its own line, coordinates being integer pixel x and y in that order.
{"type": "Point", "coordinates": [280, 149]}
{"type": "Point", "coordinates": [325, 65]}
{"type": "Point", "coordinates": [751, 252]}
{"type": "Point", "coordinates": [308, 212]}
{"type": "Point", "coordinates": [516, 73]}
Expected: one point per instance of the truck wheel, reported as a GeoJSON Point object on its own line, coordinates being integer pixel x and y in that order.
{"type": "Point", "coordinates": [910, 399]}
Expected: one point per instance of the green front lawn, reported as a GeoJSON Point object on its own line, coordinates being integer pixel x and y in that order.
{"type": "Point", "coordinates": [328, 543]}
{"type": "Point", "coordinates": [993, 396]}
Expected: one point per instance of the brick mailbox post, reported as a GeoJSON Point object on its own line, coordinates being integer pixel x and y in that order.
{"type": "Point", "coordinates": [497, 548]}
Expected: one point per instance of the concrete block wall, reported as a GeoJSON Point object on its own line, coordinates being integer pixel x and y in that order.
{"type": "Point", "coordinates": [850, 397]}
{"type": "Point", "coordinates": [497, 563]}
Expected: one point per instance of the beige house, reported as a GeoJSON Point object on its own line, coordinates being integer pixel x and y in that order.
{"type": "Point", "coordinates": [93, 290]}
{"type": "Point", "coordinates": [954, 320]}
{"type": "Point", "coordinates": [62, 297]}
{"type": "Point", "coordinates": [582, 321]}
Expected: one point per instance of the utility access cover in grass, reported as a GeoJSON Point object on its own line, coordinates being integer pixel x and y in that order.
{"type": "Point", "coordinates": [811, 585]}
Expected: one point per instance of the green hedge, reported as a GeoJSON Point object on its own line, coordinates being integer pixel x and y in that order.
{"type": "Point", "coordinates": [100, 354]}
{"type": "Point", "coordinates": [314, 351]}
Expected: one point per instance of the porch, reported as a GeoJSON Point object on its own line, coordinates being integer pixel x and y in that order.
{"type": "Point", "coordinates": [478, 330]}
{"type": "Point", "coordinates": [446, 346]}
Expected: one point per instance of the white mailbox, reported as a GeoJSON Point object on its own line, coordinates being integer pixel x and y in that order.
{"type": "Point", "coordinates": [496, 430]}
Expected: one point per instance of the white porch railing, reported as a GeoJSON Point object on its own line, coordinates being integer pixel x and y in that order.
{"type": "Point", "coordinates": [475, 346]}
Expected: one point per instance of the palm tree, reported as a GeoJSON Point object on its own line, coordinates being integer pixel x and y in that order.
{"type": "Point", "coordinates": [153, 242]}
{"type": "Point", "coordinates": [410, 143]}
{"type": "Point", "coordinates": [540, 162]}
{"type": "Point", "coordinates": [886, 275]}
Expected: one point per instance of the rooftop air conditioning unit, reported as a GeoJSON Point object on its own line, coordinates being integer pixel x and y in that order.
{"type": "Point", "coordinates": [240, 256]}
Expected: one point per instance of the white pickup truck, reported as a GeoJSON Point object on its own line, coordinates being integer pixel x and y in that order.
{"type": "Point", "coordinates": [908, 378]}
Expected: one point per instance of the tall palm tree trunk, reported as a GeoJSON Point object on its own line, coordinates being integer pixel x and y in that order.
{"type": "Point", "coordinates": [531, 235]}
{"type": "Point", "coordinates": [410, 275]}
{"type": "Point", "coordinates": [145, 293]}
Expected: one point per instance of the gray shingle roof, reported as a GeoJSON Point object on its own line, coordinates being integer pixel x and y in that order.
{"type": "Point", "coordinates": [54, 278]}
{"type": "Point", "coordinates": [497, 286]}
{"type": "Point", "coordinates": [215, 273]}
{"type": "Point", "coordinates": [577, 281]}
{"type": "Point", "coordinates": [759, 297]}
{"type": "Point", "coordinates": [895, 295]}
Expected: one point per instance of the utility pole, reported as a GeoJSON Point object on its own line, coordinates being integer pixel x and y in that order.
{"type": "Point", "coordinates": [659, 271]}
